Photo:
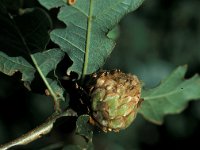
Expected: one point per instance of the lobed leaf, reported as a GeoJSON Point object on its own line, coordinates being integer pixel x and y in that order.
{"type": "Point", "coordinates": [171, 96]}
{"type": "Point", "coordinates": [22, 39]}
{"type": "Point", "coordinates": [10, 65]}
{"type": "Point", "coordinates": [52, 3]}
{"type": "Point", "coordinates": [88, 22]}
{"type": "Point", "coordinates": [47, 62]}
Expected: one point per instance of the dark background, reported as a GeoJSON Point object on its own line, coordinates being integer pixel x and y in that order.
{"type": "Point", "coordinates": [153, 41]}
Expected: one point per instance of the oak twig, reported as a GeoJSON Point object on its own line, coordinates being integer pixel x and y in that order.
{"type": "Point", "coordinates": [39, 131]}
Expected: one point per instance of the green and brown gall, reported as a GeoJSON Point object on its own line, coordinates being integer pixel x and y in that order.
{"type": "Point", "coordinates": [115, 99]}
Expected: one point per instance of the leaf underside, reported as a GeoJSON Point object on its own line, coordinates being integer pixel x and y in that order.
{"type": "Point", "coordinates": [88, 22]}
{"type": "Point", "coordinates": [171, 96]}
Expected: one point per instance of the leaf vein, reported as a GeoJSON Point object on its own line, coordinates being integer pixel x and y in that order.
{"type": "Point", "coordinates": [68, 41]}
{"type": "Point", "coordinates": [162, 95]}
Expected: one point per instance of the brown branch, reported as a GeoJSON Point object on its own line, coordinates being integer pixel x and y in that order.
{"type": "Point", "coordinates": [38, 132]}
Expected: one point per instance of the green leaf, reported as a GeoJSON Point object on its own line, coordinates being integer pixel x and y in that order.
{"type": "Point", "coordinates": [23, 40]}
{"type": "Point", "coordinates": [84, 129]}
{"type": "Point", "coordinates": [52, 3]}
{"type": "Point", "coordinates": [171, 96]}
{"type": "Point", "coordinates": [88, 22]}
{"type": "Point", "coordinates": [28, 25]}
{"type": "Point", "coordinates": [10, 65]}
{"type": "Point", "coordinates": [114, 33]}
{"type": "Point", "coordinates": [46, 62]}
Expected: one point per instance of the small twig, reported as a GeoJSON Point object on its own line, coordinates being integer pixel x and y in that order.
{"type": "Point", "coordinates": [38, 132]}
{"type": "Point", "coordinates": [57, 107]}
